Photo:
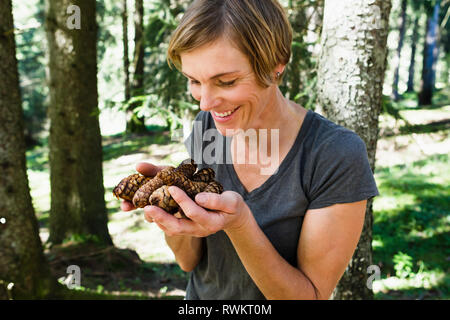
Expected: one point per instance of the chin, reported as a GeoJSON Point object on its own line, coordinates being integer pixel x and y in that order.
{"type": "Point", "coordinates": [226, 131]}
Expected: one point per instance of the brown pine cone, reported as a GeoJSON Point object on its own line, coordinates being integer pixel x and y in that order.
{"type": "Point", "coordinates": [187, 168]}
{"type": "Point", "coordinates": [143, 194]}
{"type": "Point", "coordinates": [143, 190]}
{"type": "Point", "coordinates": [191, 188]}
{"type": "Point", "coordinates": [204, 175]}
{"type": "Point", "coordinates": [128, 186]}
{"type": "Point", "coordinates": [162, 198]}
{"type": "Point", "coordinates": [213, 187]}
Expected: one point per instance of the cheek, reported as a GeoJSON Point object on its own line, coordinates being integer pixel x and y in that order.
{"type": "Point", "coordinates": [242, 95]}
{"type": "Point", "coordinates": [195, 92]}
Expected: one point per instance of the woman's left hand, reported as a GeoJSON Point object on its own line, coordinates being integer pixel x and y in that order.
{"type": "Point", "coordinates": [209, 213]}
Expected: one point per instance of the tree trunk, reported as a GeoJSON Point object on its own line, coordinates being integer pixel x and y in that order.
{"type": "Point", "coordinates": [412, 64]}
{"type": "Point", "coordinates": [135, 123]}
{"type": "Point", "coordinates": [402, 28]}
{"type": "Point", "coordinates": [429, 57]}
{"type": "Point", "coordinates": [299, 28]}
{"type": "Point", "coordinates": [350, 81]}
{"type": "Point", "coordinates": [22, 263]}
{"type": "Point", "coordinates": [126, 60]}
{"type": "Point", "coordinates": [76, 177]}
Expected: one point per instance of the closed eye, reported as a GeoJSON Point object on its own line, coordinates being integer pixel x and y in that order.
{"type": "Point", "coordinates": [227, 83]}
{"type": "Point", "coordinates": [221, 83]}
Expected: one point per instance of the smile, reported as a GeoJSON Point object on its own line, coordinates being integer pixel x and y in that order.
{"type": "Point", "coordinates": [225, 114]}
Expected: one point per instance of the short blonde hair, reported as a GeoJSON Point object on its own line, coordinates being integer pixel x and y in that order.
{"type": "Point", "coordinates": [259, 28]}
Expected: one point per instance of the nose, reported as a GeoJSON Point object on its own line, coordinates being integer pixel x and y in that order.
{"type": "Point", "coordinates": [208, 99]}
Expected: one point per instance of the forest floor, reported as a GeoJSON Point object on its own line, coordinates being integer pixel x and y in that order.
{"type": "Point", "coordinates": [411, 233]}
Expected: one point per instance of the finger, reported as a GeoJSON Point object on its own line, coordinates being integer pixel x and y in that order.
{"type": "Point", "coordinates": [173, 226]}
{"type": "Point", "coordinates": [153, 213]}
{"type": "Point", "coordinates": [148, 218]}
{"type": "Point", "coordinates": [189, 207]}
{"type": "Point", "coordinates": [147, 215]}
{"type": "Point", "coordinates": [148, 169]}
{"type": "Point", "coordinates": [209, 222]}
{"type": "Point", "coordinates": [162, 218]}
{"type": "Point", "coordinates": [127, 206]}
{"type": "Point", "coordinates": [228, 201]}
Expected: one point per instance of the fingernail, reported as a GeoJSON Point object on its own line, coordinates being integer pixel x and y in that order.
{"type": "Point", "coordinates": [149, 211]}
{"type": "Point", "coordinates": [172, 190]}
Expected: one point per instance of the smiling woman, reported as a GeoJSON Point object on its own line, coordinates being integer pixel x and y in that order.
{"type": "Point", "coordinates": [285, 235]}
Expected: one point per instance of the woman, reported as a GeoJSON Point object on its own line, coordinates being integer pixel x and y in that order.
{"type": "Point", "coordinates": [287, 235]}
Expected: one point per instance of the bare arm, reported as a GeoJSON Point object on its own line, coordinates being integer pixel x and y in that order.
{"type": "Point", "coordinates": [328, 239]}
{"type": "Point", "coordinates": [186, 248]}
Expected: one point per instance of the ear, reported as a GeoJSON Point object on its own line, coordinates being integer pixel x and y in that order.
{"type": "Point", "coordinates": [278, 72]}
{"type": "Point", "coordinates": [280, 68]}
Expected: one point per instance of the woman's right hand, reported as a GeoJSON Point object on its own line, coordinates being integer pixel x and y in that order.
{"type": "Point", "coordinates": [146, 169]}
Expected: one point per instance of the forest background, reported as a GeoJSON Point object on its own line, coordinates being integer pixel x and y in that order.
{"type": "Point", "coordinates": [144, 108]}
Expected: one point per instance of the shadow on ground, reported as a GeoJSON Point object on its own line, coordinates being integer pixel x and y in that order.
{"type": "Point", "coordinates": [111, 271]}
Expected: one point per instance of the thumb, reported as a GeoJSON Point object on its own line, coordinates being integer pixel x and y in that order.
{"type": "Point", "coordinates": [148, 169]}
{"type": "Point", "coordinates": [228, 201]}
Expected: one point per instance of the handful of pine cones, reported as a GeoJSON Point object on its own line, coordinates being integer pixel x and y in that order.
{"type": "Point", "coordinates": [143, 191]}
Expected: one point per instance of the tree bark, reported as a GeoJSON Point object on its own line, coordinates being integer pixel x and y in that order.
{"type": "Point", "coordinates": [76, 177]}
{"type": "Point", "coordinates": [350, 81]}
{"type": "Point", "coordinates": [402, 29]}
{"type": "Point", "coordinates": [135, 123]}
{"type": "Point", "coordinates": [126, 60]}
{"type": "Point", "coordinates": [429, 57]}
{"type": "Point", "coordinates": [22, 262]}
{"type": "Point", "coordinates": [299, 28]}
{"type": "Point", "coordinates": [412, 64]}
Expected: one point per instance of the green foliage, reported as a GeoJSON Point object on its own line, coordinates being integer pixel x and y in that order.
{"type": "Point", "coordinates": [403, 265]}
{"type": "Point", "coordinates": [30, 49]}
{"type": "Point", "coordinates": [411, 229]}
{"type": "Point", "coordinates": [300, 76]}
{"type": "Point", "coordinates": [130, 144]}
{"type": "Point", "coordinates": [110, 54]}
{"type": "Point", "coordinates": [83, 238]}
{"type": "Point", "coordinates": [151, 105]}
{"type": "Point", "coordinates": [389, 106]}
{"type": "Point", "coordinates": [167, 94]}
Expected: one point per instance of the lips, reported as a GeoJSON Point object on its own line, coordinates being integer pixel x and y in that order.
{"type": "Point", "coordinates": [224, 114]}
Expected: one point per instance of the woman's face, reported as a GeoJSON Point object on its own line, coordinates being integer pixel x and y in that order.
{"type": "Point", "coordinates": [221, 78]}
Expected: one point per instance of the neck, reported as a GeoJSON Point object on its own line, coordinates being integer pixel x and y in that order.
{"type": "Point", "coordinates": [272, 133]}
{"type": "Point", "coordinates": [278, 114]}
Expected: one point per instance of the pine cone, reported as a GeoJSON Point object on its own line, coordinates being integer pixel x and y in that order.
{"type": "Point", "coordinates": [143, 191]}
{"type": "Point", "coordinates": [128, 186]}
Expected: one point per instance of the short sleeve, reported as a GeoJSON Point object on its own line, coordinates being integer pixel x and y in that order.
{"type": "Point", "coordinates": [340, 172]}
{"type": "Point", "coordinates": [194, 142]}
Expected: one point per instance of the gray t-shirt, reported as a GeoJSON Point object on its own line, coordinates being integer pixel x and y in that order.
{"type": "Point", "coordinates": [327, 164]}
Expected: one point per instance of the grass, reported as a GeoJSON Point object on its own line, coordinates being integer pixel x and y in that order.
{"type": "Point", "coordinates": [411, 229]}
